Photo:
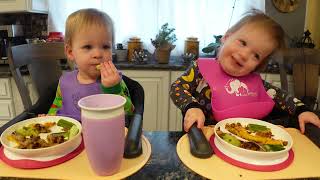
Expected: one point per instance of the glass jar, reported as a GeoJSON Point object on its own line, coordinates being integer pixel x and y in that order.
{"type": "Point", "coordinates": [134, 43]}
{"type": "Point", "coordinates": [191, 45]}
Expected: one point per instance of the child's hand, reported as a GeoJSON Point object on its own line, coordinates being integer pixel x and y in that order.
{"type": "Point", "coordinates": [308, 117]}
{"type": "Point", "coordinates": [193, 115]}
{"type": "Point", "coordinates": [109, 74]}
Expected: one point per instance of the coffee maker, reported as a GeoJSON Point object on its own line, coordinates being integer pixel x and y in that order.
{"type": "Point", "coordinates": [10, 35]}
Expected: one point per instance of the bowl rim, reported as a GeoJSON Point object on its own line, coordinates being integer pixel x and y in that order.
{"type": "Point", "coordinates": [11, 128]}
{"type": "Point", "coordinates": [256, 121]}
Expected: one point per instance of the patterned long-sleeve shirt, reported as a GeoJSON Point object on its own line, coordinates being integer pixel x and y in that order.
{"type": "Point", "coordinates": [191, 90]}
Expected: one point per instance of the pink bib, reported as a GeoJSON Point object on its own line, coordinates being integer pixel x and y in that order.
{"type": "Point", "coordinates": [235, 96]}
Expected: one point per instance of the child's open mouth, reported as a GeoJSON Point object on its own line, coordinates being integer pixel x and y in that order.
{"type": "Point", "coordinates": [239, 64]}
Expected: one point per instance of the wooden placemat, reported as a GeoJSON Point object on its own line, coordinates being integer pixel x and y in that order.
{"type": "Point", "coordinates": [305, 163]}
{"type": "Point", "coordinates": [79, 168]}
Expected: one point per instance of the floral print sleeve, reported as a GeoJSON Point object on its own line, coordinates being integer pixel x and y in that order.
{"type": "Point", "coordinates": [283, 100]}
{"type": "Point", "coordinates": [185, 92]}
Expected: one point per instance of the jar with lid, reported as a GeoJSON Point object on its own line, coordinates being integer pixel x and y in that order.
{"type": "Point", "coordinates": [134, 44]}
{"type": "Point", "coordinates": [191, 45]}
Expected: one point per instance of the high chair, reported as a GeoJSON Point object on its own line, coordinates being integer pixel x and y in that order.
{"type": "Point", "coordinates": [44, 62]}
{"type": "Point", "coordinates": [308, 62]}
{"type": "Point", "coordinates": [305, 71]}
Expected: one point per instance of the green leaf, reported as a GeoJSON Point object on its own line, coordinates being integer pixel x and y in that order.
{"type": "Point", "coordinates": [211, 47]}
{"type": "Point", "coordinates": [208, 49]}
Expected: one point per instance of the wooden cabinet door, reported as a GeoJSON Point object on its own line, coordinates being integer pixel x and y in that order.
{"type": "Point", "coordinates": [6, 102]}
{"type": "Point", "coordinates": [39, 6]}
{"type": "Point", "coordinates": [16, 95]}
{"type": "Point", "coordinates": [175, 116]}
{"type": "Point", "coordinates": [156, 102]}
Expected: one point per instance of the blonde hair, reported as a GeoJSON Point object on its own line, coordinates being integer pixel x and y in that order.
{"type": "Point", "coordinates": [255, 16]}
{"type": "Point", "coordinates": [85, 18]}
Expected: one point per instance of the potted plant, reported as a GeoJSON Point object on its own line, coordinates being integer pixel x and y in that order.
{"type": "Point", "coordinates": [164, 43]}
{"type": "Point", "coordinates": [213, 47]}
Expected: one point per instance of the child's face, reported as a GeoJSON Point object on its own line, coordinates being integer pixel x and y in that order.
{"type": "Point", "coordinates": [90, 46]}
{"type": "Point", "coordinates": [243, 50]}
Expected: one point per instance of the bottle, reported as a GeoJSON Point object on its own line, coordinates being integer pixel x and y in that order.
{"type": "Point", "coordinates": [134, 43]}
{"type": "Point", "coordinates": [191, 45]}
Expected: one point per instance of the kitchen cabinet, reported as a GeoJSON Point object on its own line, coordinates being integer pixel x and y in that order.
{"type": "Point", "coordinates": [156, 101]}
{"type": "Point", "coordinates": [7, 111]}
{"type": "Point", "coordinates": [18, 105]}
{"type": "Point", "coordinates": [37, 6]}
{"type": "Point", "coordinates": [10, 99]}
{"type": "Point", "coordinates": [175, 116]}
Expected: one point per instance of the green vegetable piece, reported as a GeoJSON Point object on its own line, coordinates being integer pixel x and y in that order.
{"type": "Point", "coordinates": [257, 127]}
{"type": "Point", "coordinates": [27, 131]}
{"type": "Point", "coordinates": [22, 132]}
{"type": "Point", "coordinates": [73, 131]}
{"type": "Point", "coordinates": [272, 147]}
{"type": "Point", "coordinates": [65, 124]}
{"type": "Point", "coordinates": [231, 139]}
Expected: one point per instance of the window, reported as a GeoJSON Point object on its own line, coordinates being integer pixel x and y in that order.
{"type": "Point", "coordinates": [143, 18]}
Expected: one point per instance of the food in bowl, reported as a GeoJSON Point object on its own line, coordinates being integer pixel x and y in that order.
{"type": "Point", "coordinates": [41, 135]}
{"type": "Point", "coordinates": [68, 132]}
{"type": "Point", "coordinates": [248, 155]}
{"type": "Point", "coordinates": [252, 137]}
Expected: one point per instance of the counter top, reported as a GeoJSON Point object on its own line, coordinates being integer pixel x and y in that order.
{"type": "Point", "coordinates": [176, 63]}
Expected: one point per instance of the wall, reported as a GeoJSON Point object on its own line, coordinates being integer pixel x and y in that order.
{"type": "Point", "coordinates": [293, 22]}
{"type": "Point", "coordinates": [312, 20]}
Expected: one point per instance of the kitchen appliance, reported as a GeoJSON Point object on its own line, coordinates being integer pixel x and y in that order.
{"type": "Point", "coordinates": [10, 35]}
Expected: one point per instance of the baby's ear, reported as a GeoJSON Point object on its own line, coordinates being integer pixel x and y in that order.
{"type": "Point", "coordinates": [68, 52]}
{"type": "Point", "coordinates": [224, 37]}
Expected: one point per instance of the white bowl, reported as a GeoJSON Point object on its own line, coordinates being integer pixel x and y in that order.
{"type": "Point", "coordinates": [56, 150]}
{"type": "Point", "coordinates": [259, 156]}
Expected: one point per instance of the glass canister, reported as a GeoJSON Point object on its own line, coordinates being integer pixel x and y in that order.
{"type": "Point", "coordinates": [191, 45]}
{"type": "Point", "coordinates": [134, 43]}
